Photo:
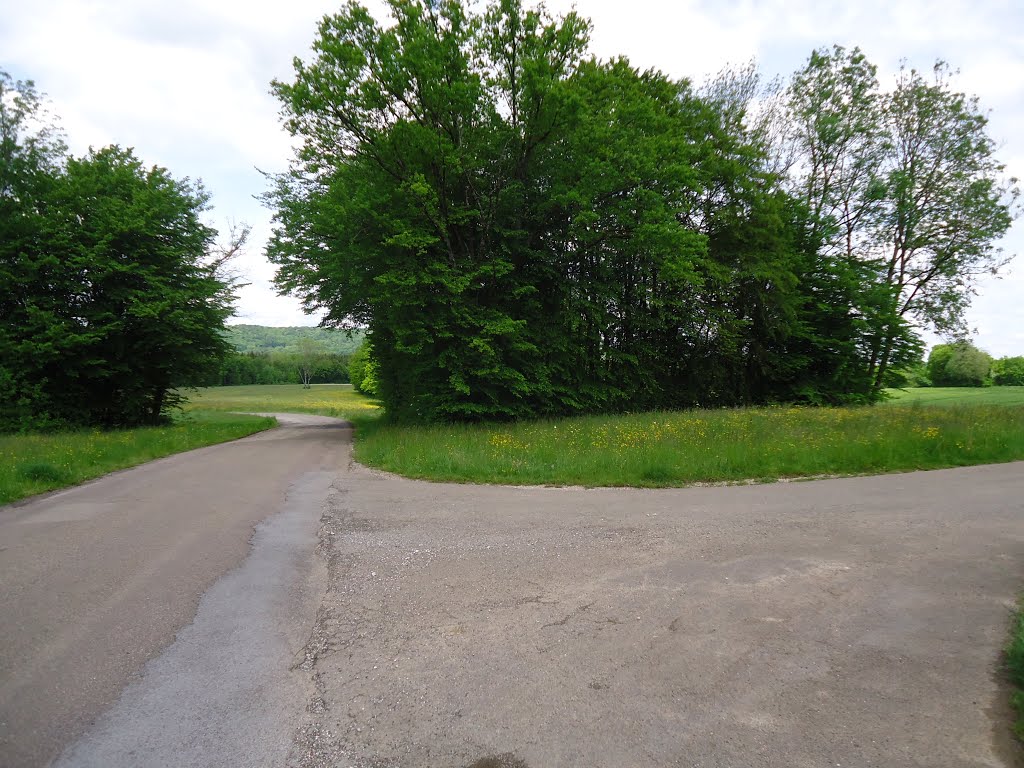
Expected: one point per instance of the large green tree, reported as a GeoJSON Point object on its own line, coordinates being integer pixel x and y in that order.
{"type": "Point", "coordinates": [904, 189]}
{"type": "Point", "coordinates": [114, 288]}
{"type": "Point", "coordinates": [527, 231]}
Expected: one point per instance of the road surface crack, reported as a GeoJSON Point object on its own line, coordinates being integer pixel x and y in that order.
{"type": "Point", "coordinates": [569, 616]}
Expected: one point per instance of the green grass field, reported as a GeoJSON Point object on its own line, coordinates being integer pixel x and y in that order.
{"type": "Point", "coordinates": [957, 396]}
{"type": "Point", "coordinates": [338, 400]}
{"type": "Point", "coordinates": [31, 464]}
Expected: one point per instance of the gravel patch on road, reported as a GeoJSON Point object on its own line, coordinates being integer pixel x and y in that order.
{"type": "Point", "coordinates": [850, 622]}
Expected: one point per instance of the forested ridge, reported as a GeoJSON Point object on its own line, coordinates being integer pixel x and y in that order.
{"type": "Point", "coordinates": [528, 231]}
{"type": "Point", "coordinates": [246, 338]}
{"type": "Point", "coordinates": [263, 354]}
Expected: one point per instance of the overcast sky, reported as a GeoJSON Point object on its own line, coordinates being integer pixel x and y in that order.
{"type": "Point", "coordinates": [186, 84]}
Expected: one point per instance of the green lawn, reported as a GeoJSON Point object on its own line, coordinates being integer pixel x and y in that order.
{"type": "Point", "coordinates": [327, 399]}
{"type": "Point", "coordinates": [957, 396]}
{"type": "Point", "coordinates": [35, 463]}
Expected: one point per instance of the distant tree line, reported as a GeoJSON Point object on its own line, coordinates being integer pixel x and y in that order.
{"type": "Point", "coordinates": [277, 368]}
{"type": "Point", "coordinates": [525, 230]}
{"type": "Point", "coordinates": [113, 290]}
{"type": "Point", "coordinates": [266, 339]}
{"type": "Point", "coordinates": [285, 355]}
{"type": "Point", "coordinates": [961, 364]}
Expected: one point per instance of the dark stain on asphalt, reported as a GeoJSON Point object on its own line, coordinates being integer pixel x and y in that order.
{"type": "Point", "coordinates": [507, 760]}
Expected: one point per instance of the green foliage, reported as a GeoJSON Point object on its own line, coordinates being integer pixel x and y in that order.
{"type": "Point", "coordinates": [35, 463]}
{"type": "Point", "coordinates": [527, 231]}
{"type": "Point", "coordinates": [327, 400]}
{"type": "Point", "coordinates": [363, 371]}
{"type": "Point", "coordinates": [1008, 372]}
{"type": "Point", "coordinates": [277, 368]}
{"type": "Point", "coordinates": [915, 375]}
{"type": "Point", "coordinates": [902, 184]}
{"type": "Point", "coordinates": [264, 339]}
{"type": "Point", "coordinates": [113, 293]}
{"type": "Point", "coordinates": [959, 364]}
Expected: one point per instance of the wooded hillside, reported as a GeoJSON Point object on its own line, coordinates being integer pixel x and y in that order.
{"type": "Point", "coordinates": [265, 338]}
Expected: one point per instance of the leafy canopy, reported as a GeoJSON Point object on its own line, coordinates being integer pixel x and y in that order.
{"type": "Point", "coordinates": [524, 230]}
{"type": "Point", "coordinates": [113, 288]}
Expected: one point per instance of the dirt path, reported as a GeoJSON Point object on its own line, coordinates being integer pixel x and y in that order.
{"type": "Point", "coordinates": [852, 622]}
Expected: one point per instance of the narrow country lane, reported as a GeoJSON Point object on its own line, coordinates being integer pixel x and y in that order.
{"type": "Point", "coordinates": [97, 580]}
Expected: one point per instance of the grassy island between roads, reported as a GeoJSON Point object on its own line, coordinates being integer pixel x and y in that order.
{"type": "Point", "coordinates": [908, 432]}
{"type": "Point", "coordinates": [915, 429]}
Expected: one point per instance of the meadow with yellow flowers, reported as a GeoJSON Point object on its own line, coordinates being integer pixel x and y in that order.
{"type": "Point", "coordinates": [681, 448]}
{"type": "Point", "coordinates": [916, 429]}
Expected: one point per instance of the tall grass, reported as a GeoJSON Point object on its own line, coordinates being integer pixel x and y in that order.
{"type": "Point", "coordinates": [35, 463]}
{"type": "Point", "coordinates": [669, 449]}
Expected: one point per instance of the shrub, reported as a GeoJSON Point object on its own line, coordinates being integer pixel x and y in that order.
{"type": "Point", "coordinates": [960, 364]}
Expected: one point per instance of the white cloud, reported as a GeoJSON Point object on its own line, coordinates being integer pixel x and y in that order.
{"type": "Point", "coordinates": [187, 83]}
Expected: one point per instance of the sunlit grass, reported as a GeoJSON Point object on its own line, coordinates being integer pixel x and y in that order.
{"type": "Point", "coordinates": [338, 400]}
{"type": "Point", "coordinates": [957, 396]}
{"type": "Point", "coordinates": [680, 448]}
{"type": "Point", "coordinates": [35, 463]}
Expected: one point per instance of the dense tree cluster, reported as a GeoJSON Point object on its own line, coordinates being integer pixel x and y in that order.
{"type": "Point", "coordinates": [525, 230]}
{"type": "Point", "coordinates": [960, 364]}
{"type": "Point", "coordinates": [112, 288]}
{"type": "Point", "coordinates": [1008, 372]}
{"type": "Point", "coordinates": [362, 371]}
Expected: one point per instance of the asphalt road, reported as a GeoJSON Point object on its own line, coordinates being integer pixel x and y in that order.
{"type": "Point", "coordinates": [97, 580]}
{"type": "Point", "coordinates": [847, 622]}
{"type": "Point", "coordinates": [387, 623]}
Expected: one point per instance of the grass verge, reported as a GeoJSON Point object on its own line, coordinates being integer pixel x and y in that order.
{"type": "Point", "coordinates": [1015, 669]}
{"type": "Point", "coordinates": [672, 449]}
{"type": "Point", "coordinates": [35, 463]}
